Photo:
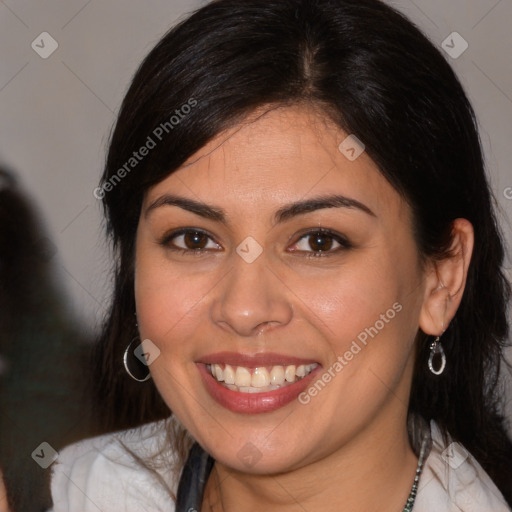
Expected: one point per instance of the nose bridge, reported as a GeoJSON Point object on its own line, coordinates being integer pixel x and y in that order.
{"type": "Point", "coordinates": [251, 298]}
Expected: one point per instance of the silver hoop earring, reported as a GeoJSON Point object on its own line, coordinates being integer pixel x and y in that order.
{"type": "Point", "coordinates": [125, 363]}
{"type": "Point", "coordinates": [436, 349]}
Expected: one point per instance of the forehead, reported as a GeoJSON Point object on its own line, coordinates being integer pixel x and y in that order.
{"type": "Point", "coordinates": [278, 155]}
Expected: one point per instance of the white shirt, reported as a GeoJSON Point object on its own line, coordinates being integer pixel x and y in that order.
{"type": "Point", "coordinates": [100, 475]}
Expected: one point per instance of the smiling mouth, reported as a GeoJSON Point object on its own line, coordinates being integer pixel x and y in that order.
{"type": "Point", "coordinates": [259, 379]}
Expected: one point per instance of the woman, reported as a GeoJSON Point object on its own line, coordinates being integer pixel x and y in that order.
{"type": "Point", "coordinates": [309, 267]}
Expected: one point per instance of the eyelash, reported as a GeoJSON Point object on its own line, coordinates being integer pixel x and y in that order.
{"type": "Point", "coordinates": [343, 242]}
{"type": "Point", "coordinates": [166, 242]}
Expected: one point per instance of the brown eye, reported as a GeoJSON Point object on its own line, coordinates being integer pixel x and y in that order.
{"type": "Point", "coordinates": [195, 240]}
{"type": "Point", "coordinates": [190, 241]}
{"type": "Point", "coordinates": [320, 242]}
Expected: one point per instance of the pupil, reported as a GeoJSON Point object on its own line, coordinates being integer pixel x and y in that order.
{"type": "Point", "coordinates": [320, 242]}
{"type": "Point", "coordinates": [195, 240]}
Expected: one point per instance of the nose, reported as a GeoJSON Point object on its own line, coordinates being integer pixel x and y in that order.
{"type": "Point", "coordinates": [251, 299]}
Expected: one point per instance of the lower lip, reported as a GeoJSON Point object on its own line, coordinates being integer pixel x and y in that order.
{"type": "Point", "coordinates": [254, 403]}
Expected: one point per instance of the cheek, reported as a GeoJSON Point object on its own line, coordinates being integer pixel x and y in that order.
{"type": "Point", "coordinates": [372, 300]}
{"type": "Point", "coordinates": [168, 303]}
{"type": "Point", "coordinates": [349, 300]}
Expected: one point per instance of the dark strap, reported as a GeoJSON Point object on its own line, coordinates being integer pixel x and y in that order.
{"type": "Point", "coordinates": [193, 480]}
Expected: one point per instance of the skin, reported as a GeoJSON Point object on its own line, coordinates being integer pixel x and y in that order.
{"type": "Point", "coordinates": [4, 506]}
{"type": "Point", "coordinates": [348, 447]}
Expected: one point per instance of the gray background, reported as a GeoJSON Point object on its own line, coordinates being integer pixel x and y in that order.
{"type": "Point", "coordinates": [56, 113]}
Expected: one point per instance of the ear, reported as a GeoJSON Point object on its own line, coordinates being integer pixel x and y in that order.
{"type": "Point", "coordinates": [446, 280]}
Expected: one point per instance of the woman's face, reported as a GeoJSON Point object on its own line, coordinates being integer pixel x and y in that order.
{"type": "Point", "coordinates": [288, 266]}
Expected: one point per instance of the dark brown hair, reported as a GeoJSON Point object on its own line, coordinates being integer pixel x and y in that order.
{"type": "Point", "coordinates": [376, 76]}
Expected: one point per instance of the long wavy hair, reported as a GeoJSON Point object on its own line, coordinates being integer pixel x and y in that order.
{"type": "Point", "coordinates": [373, 73]}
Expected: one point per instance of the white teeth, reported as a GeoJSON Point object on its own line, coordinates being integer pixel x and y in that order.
{"type": "Point", "coordinates": [260, 378]}
{"type": "Point", "coordinates": [289, 373]}
{"type": "Point", "coordinates": [242, 377]}
{"type": "Point", "coordinates": [248, 389]}
{"type": "Point", "coordinates": [300, 371]}
{"type": "Point", "coordinates": [219, 374]}
{"type": "Point", "coordinates": [229, 374]}
{"type": "Point", "coordinates": [277, 375]}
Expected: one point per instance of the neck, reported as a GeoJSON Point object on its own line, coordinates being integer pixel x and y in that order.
{"type": "Point", "coordinates": [375, 471]}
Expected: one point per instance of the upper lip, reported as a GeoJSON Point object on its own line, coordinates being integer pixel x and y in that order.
{"type": "Point", "coordinates": [253, 360]}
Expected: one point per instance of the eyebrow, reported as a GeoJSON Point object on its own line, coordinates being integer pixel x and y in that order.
{"type": "Point", "coordinates": [283, 214]}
